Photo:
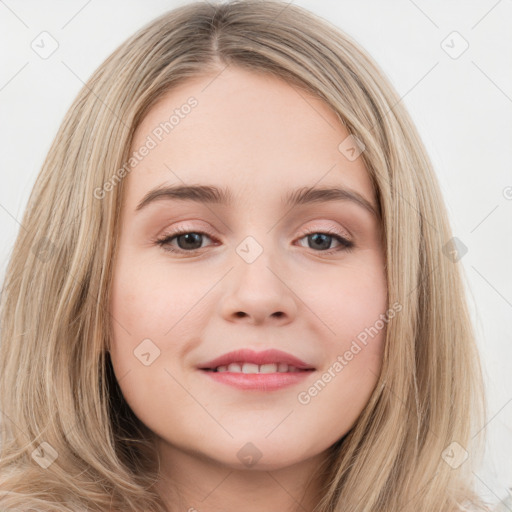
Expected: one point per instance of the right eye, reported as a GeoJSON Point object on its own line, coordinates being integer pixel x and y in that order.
{"type": "Point", "coordinates": [190, 241]}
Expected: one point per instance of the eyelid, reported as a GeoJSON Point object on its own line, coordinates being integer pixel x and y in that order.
{"type": "Point", "coordinates": [175, 232]}
{"type": "Point", "coordinates": [308, 231]}
{"type": "Point", "coordinates": [186, 227]}
{"type": "Point", "coordinates": [328, 230]}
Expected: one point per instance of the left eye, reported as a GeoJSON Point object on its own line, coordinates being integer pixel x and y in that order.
{"type": "Point", "coordinates": [324, 239]}
{"type": "Point", "coordinates": [190, 241]}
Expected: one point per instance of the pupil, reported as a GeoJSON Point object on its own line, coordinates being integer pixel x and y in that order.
{"type": "Point", "coordinates": [193, 238]}
{"type": "Point", "coordinates": [326, 239]}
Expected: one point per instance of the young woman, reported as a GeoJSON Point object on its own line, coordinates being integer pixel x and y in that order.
{"type": "Point", "coordinates": [236, 288]}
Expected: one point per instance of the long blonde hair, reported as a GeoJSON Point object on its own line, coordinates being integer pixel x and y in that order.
{"type": "Point", "coordinates": [57, 390]}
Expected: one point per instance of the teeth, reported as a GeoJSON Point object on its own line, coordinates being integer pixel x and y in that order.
{"type": "Point", "coordinates": [254, 368]}
{"type": "Point", "coordinates": [250, 368]}
{"type": "Point", "coordinates": [282, 367]}
{"type": "Point", "coordinates": [268, 368]}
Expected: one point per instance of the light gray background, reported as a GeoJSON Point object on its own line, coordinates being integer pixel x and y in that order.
{"type": "Point", "coordinates": [462, 107]}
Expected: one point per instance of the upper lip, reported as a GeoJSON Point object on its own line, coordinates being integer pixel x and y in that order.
{"type": "Point", "coordinates": [259, 358]}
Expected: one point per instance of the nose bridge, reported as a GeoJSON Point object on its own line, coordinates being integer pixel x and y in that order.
{"type": "Point", "coordinates": [257, 289]}
{"type": "Point", "coordinates": [253, 227]}
{"type": "Point", "coordinates": [259, 255]}
{"type": "Point", "coordinates": [255, 255]}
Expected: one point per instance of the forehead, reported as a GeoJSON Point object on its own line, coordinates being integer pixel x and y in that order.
{"type": "Point", "coordinates": [252, 133]}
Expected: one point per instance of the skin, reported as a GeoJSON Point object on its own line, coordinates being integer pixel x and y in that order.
{"type": "Point", "coordinates": [258, 136]}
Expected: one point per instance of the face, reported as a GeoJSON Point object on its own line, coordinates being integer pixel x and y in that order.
{"type": "Point", "coordinates": [198, 276]}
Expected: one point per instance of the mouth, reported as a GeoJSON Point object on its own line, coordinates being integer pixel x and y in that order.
{"type": "Point", "coordinates": [265, 371]}
{"type": "Point", "coordinates": [252, 368]}
{"type": "Point", "coordinates": [253, 377]}
{"type": "Point", "coordinates": [248, 361]}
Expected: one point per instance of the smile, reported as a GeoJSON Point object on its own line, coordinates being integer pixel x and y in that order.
{"type": "Point", "coordinates": [255, 368]}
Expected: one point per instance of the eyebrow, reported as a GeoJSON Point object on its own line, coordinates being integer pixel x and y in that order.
{"type": "Point", "coordinates": [216, 195]}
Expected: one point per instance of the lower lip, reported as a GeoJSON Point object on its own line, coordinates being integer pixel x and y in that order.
{"type": "Point", "coordinates": [259, 381]}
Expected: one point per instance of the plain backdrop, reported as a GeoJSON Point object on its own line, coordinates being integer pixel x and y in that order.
{"type": "Point", "coordinates": [449, 62]}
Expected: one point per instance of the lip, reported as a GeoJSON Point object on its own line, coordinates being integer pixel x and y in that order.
{"type": "Point", "coordinates": [259, 358]}
{"type": "Point", "coordinates": [258, 381]}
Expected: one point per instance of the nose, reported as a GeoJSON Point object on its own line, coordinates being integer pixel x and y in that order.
{"type": "Point", "coordinates": [259, 292]}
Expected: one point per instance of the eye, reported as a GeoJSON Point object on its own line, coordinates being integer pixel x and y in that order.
{"type": "Point", "coordinates": [322, 240]}
{"type": "Point", "coordinates": [189, 241]}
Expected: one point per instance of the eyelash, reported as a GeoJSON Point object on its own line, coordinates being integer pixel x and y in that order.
{"type": "Point", "coordinates": [346, 245]}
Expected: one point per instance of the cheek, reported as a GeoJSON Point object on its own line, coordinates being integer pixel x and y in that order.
{"type": "Point", "coordinates": [348, 299]}
{"type": "Point", "coordinates": [152, 302]}
{"type": "Point", "coordinates": [154, 314]}
{"type": "Point", "coordinates": [353, 305]}
{"type": "Point", "coordinates": [353, 354]}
